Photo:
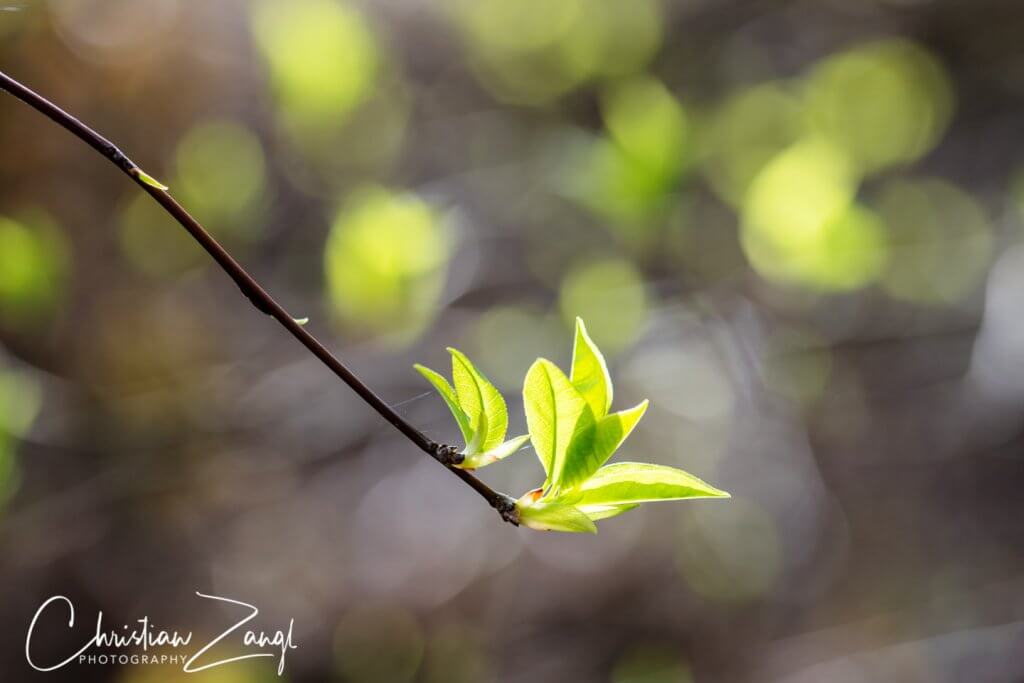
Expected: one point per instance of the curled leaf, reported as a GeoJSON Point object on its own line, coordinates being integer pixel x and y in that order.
{"type": "Point", "coordinates": [500, 452]}
{"type": "Point", "coordinates": [555, 517]}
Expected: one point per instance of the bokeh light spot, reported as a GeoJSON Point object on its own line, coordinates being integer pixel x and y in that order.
{"type": "Point", "coordinates": [800, 224]}
{"type": "Point", "coordinates": [33, 264]}
{"type": "Point", "coordinates": [508, 339]}
{"type": "Point", "coordinates": [385, 262]}
{"type": "Point", "coordinates": [21, 397]}
{"type": "Point", "coordinates": [221, 176]}
{"type": "Point", "coordinates": [729, 553]}
{"type": "Point", "coordinates": [321, 55]}
{"type": "Point", "coordinates": [647, 123]}
{"type": "Point", "coordinates": [748, 130]}
{"type": "Point", "coordinates": [884, 103]}
{"type": "Point", "coordinates": [610, 296]}
{"type": "Point", "coordinates": [531, 51]}
{"type": "Point", "coordinates": [152, 241]}
{"type": "Point", "coordinates": [942, 242]}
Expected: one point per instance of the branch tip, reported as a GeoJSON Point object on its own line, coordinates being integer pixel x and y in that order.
{"type": "Point", "coordinates": [448, 455]}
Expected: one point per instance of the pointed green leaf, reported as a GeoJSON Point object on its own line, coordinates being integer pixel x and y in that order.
{"type": "Point", "coordinates": [150, 180]}
{"type": "Point", "coordinates": [480, 400]}
{"type": "Point", "coordinates": [590, 372]}
{"type": "Point", "coordinates": [495, 454]}
{"type": "Point", "coordinates": [555, 517]}
{"type": "Point", "coordinates": [474, 446]}
{"type": "Point", "coordinates": [448, 394]}
{"type": "Point", "coordinates": [596, 512]}
{"type": "Point", "coordinates": [559, 419]}
{"type": "Point", "coordinates": [631, 482]}
{"type": "Point", "coordinates": [609, 433]}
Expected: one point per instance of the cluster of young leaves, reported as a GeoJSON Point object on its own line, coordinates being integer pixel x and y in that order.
{"type": "Point", "coordinates": [479, 410]}
{"type": "Point", "coordinates": [573, 434]}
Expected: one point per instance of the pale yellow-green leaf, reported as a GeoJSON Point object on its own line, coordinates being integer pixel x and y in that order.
{"type": "Point", "coordinates": [596, 512]}
{"type": "Point", "coordinates": [475, 445]}
{"type": "Point", "coordinates": [480, 400]}
{"type": "Point", "coordinates": [555, 517]}
{"type": "Point", "coordinates": [150, 180]}
{"type": "Point", "coordinates": [559, 419]}
{"type": "Point", "coordinates": [590, 372]}
{"type": "Point", "coordinates": [608, 435]}
{"type": "Point", "coordinates": [448, 394]}
{"type": "Point", "coordinates": [495, 454]}
{"type": "Point", "coordinates": [630, 482]}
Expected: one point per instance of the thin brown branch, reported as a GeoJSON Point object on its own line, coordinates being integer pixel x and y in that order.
{"type": "Point", "coordinates": [258, 296]}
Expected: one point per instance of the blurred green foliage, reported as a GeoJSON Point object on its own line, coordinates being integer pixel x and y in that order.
{"type": "Point", "coordinates": [220, 175]}
{"type": "Point", "coordinates": [33, 268]}
{"type": "Point", "coordinates": [21, 398]}
{"type": "Point", "coordinates": [729, 553]}
{"type": "Point", "coordinates": [386, 260]}
{"type": "Point", "coordinates": [629, 174]}
{"type": "Point", "coordinates": [800, 222]}
{"type": "Point", "coordinates": [884, 103]}
{"type": "Point", "coordinates": [611, 296]}
{"type": "Point", "coordinates": [746, 131]}
{"type": "Point", "coordinates": [650, 664]}
{"type": "Point", "coordinates": [321, 56]}
{"type": "Point", "coordinates": [531, 51]}
{"type": "Point", "coordinates": [934, 224]}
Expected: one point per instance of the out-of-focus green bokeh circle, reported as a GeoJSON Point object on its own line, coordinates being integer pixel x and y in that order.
{"type": "Point", "coordinates": [386, 261]}
{"type": "Point", "coordinates": [610, 295]}
{"type": "Point", "coordinates": [33, 268]}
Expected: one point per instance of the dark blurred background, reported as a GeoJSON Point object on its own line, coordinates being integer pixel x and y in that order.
{"type": "Point", "coordinates": [795, 226]}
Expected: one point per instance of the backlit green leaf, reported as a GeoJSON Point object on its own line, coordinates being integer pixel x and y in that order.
{"type": "Point", "coordinates": [608, 435]}
{"type": "Point", "coordinates": [631, 482]}
{"type": "Point", "coordinates": [481, 401]}
{"type": "Point", "coordinates": [590, 372]}
{"type": "Point", "coordinates": [448, 394]}
{"type": "Point", "coordinates": [555, 517]}
{"type": "Point", "coordinates": [596, 512]}
{"type": "Point", "coordinates": [150, 180]}
{"type": "Point", "coordinates": [559, 419]}
{"type": "Point", "coordinates": [495, 454]}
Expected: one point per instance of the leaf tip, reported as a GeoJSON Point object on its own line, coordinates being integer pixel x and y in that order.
{"type": "Point", "coordinates": [301, 322]}
{"type": "Point", "coordinates": [149, 180]}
